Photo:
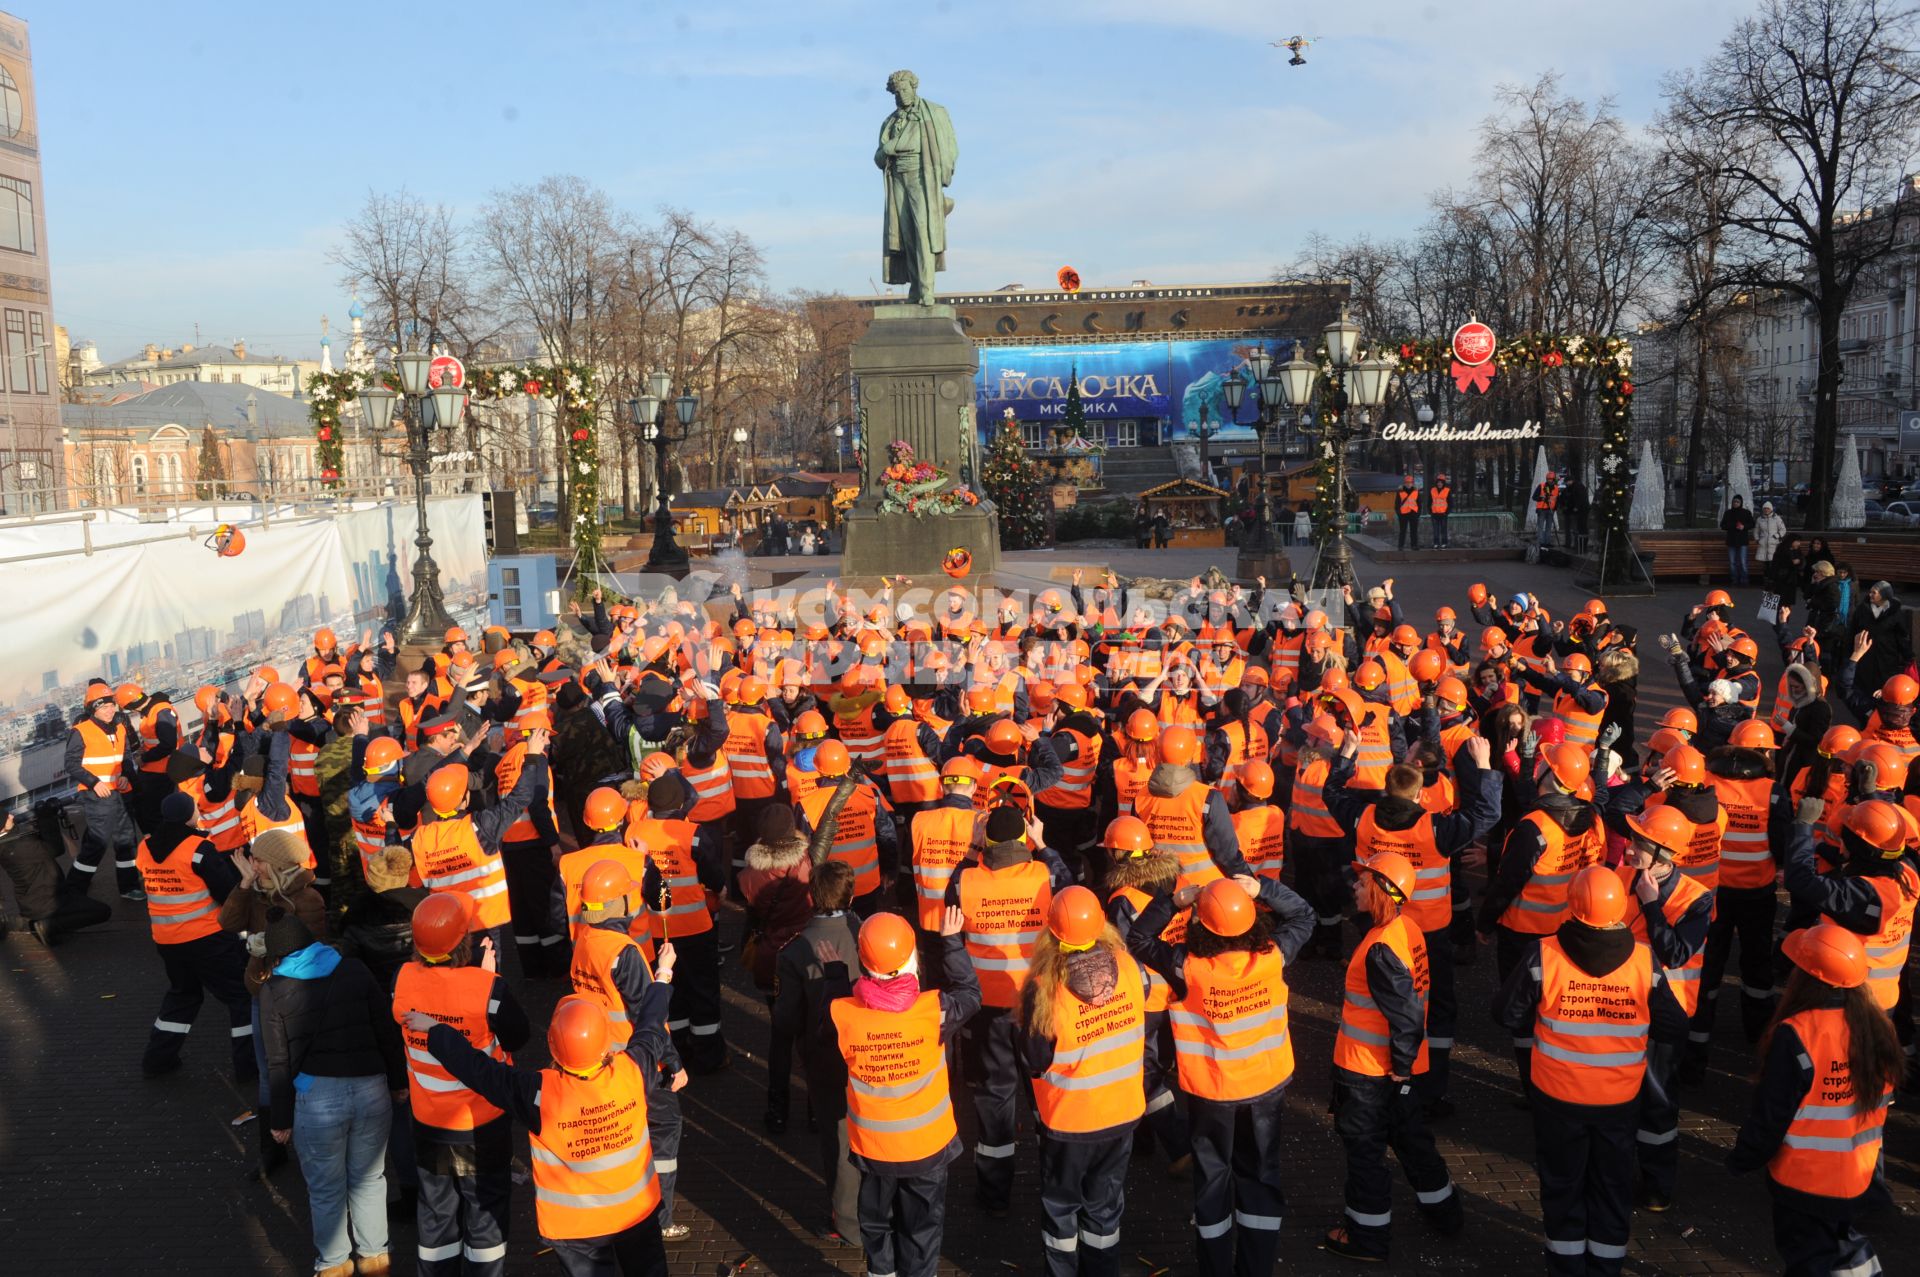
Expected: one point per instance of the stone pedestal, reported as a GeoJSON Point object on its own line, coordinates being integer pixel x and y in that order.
{"type": "Point", "coordinates": [915, 369]}
{"type": "Point", "coordinates": [1257, 561]}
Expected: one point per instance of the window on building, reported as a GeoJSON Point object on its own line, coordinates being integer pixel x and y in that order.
{"type": "Point", "coordinates": [139, 475]}
{"type": "Point", "coordinates": [37, 347]}
{"type": "Point", "coordinates": [18, 373]}
{"type": "Point", "coordinates": [16, 215]}
{"type": "Point", "coordinates": [13, 107]}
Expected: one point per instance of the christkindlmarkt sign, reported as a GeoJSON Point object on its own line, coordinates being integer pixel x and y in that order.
{"type": "Point", "coordinates": [1441, 432]}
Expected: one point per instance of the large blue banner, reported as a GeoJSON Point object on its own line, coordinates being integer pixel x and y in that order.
{"type": "Point", "coordinates": [1174, 381]}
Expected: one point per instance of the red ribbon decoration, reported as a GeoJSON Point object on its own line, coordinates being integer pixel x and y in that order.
{"type": "Point", "coordinates": [1476, 377]}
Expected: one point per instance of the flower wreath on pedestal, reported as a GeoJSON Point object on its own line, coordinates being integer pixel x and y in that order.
{"type": "Point", "coordinates": [571, 388]}
{"type": "Point", "coordinates": [919, 488]}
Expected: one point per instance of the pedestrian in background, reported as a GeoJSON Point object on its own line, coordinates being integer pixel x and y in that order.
{"type": "Point", "coordinates": [1737, 523]}
{"type": "Point", "coordinates": [1769, 530]}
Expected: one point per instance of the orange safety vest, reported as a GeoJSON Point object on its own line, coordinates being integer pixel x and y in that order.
{"type": "Point", "coordinates": [857, 732]}
{"type": "Point", "coordinates": [942, 837]}
{"type": "Point", "coordinates": [1835, 798]}
{"type": "Point", "coordinates": [573, 870]}
{"type": "Point", "coordinates": [1230, 1030]}
{"type": "Point", "coordinates": [910, 775]}
{"type": "Point", "coordinates": [1409, 501]}
{"type": "Point", "coordinates": [254, 822]}
{"type": "Point", "coordinates": [1431, 906]}
{"type": "Point", "coordinates": [1004, 911]}
{"type": "Point", "coordinates": [1833, 1142]}
{"type": "Point", "coordinates": [1546, 496]}
{"type": "Point", "coordinates": [594, 954]}
{"type": "Point", "coordinates": [105, 753]}
{"type": "Point", "coordinates": [712, 787]}
{"type": "Point", "coordinates": [990, 772]}
{"type": "Point", "coordinates": [1310, 815]}
{"type": "Point", "coordinates": [458, 997]}
{"type": "Point", "coordinates": [1901, 739]}
{"type": "Point", "coordinates": [1364, 1042]}
{"type": "Point", "coordinates": [374, 706]}
{"type": "Point", "coordinates": [1239, 749]}
{"type": "Point", "coordinates": [179, 906]}
{"type": "Point", "coordinates": [507, 773]}
{"type": "Point", "coordinates": [1402, 690]}
{"type": "Point", "coordinates": [220, 821]}
{"type": "Point", "coordinates": [533, 700]}
{"type": "Point", "coordinates": [447, 856]}
{"type": "Point", "coordinates": [1887, 947]}
{"type": "Point", "coordinates": [1093, 1083]}
{"type": "Point", "coordinates": [1129, 782]}
{"type": "Point", "coordinates": [746, 753]}
{"type": "Point", "coordinates": [370, 836]}
{"type": "Point", "coordinates": [1074, 790]}
{"type": "Point", "coordinates": [854, 837]}
{"type": "Point", "coordinates": [1180, 712]}
{"type": "Point", "coordinates": [1262, 834]}
{"type": "Point", "coordinates": [669, 844]}
{"type": "Point", "coordinates": [1440, 498]}
{"type": "Point", "coordinates": [1583, 729]}
{"type": "Point", "coordinates": [592, 1156]}
{"type": "Point", "coordinates": [1745, 858]}
{"type": "Point", "coordinates": [800, 783]}
{"type": "Point", "coordinates": [1684, 980]}
{"type": "Point", "coordinates": [1442, 797]}
{"type": "Point", "coordinates": [1376, 750]}
{"type": "Point", "coordinates": [898, 1105]}
{"type": "Point", "coordinates": [1178, 826]}
{"type": "Point", "coordinates": [301, 778]}
{"type": "Point", "coordinates": [150, 735]}
{"type": "Point", "coordinates": [1590, 1034]}
{"type": "Point", "coordinates": [1159, 992]}
{"type": "Point", "coordinates": [1542, 903]}
{"type": "Point", "coordinates": [411, 715]}
{"type": "Point", "coordinates": [1285, 654]}
{"type": "Point", "coordinates": [1701, 859]}
{"type": "Point", "coordinates": [1783, 707]}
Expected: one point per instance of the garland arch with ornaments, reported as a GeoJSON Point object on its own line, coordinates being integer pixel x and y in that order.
{"type": "Point", "coordinates": [1611, 358]}
{"type": "Point", "coordinates": [570, 387]}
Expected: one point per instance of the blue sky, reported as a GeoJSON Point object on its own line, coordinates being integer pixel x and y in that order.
{"type": "Point", "coordinates": [199, 157]}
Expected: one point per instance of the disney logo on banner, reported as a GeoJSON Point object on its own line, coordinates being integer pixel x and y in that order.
{"type": "Point", "coordinates": [1473, 346]}
{"type": "Point", "coordinates": [1441, 432]}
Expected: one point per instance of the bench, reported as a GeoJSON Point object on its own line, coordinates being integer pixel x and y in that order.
{"type": "Point", "coordinates": [1877, 558]}
{"type": "Point", "coordinates": [1703, 555]}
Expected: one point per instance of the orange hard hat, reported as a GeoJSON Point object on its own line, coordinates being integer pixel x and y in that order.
{"type": "Point", "coordinates": [1128, 834]}
{"type": "Point", "coordinates": [1596, 897]}
{"type": "Point", "coordinates": [1383, 616]}
{"type": "Point", "coordinates": [1445, 614]}
{"type": "Point", "coordinates": [1878, 824]}
{"type": "Point", "coordinates": [1451, 691]}
{"type": "Point", "coordinates": [1394, 871]}
{"type": "Point", "coordinates": [1477, 593]}
{"type": "Point", "coordinates": [1324, 731]}
{"type": "Point", "coordinates": [872, 644]}
{"type": "Point", "coordinates": [1040, 696]}
{"type": "Point", "coordinates": [655, 765]}
{"type": "Point", "coordinates": [1577, 661]}
{"type": "Point", "coordinates": [1404, 636]}
{"type": "Point", "coordinates": [1595, 607]}
{"type": "Point", "coordinates": [1224, 909]}
{"type": "Point", "coordinates": [1004, 737]}
{"type": "Point", "coordinates": [1256, 778]}
{"type": "Point", "coordinates": [832, 760]}
{"type": "Point", "coordinates": [546, 639]}
{"type": "Point", "coordinates": [1829, 953]}
{"type": "Point", "coordinates": [1840, 739]}
{"type": "Point", "coordinates": [454, 635]}
{"type": "Point", "coordinates": [1179, 746]}
{"type": "Point", "coordinates": [1900, 690]}
{"type": "Point", "coordinates": [962, 767]}
{"type": "Point", "coordinates": [886, 943]}
{"type": "Point", "coordinates": [505, 659]}
{"type": "Point", "coordinates": [1889, 764]}
{"type": "Point", "coordinates": [1075, 919]}
{"type": "Point", "coordinates": [1663, 826]}
{"type": "Point", "coordinates": [1751, 650]}
{"type": "Point", "coordinates": [744, 628]}
{"type": "Point", "coordinates": [897, 701]}
{"type": "Point", "coordinates": [383, 754]}
{"type": "Point", "coordinates": [447, 789]}
{"type": "Point", "coordinates": [441, 922]}
{"type": "Point", "coordinates": [578, 1037]}
{"type": "Point", "coordinates": [1315, 620]}
{"type": "Point", "coordinates": [281, 698]}
{"type": "Point", "coordinates": [1664, 741]}
{"type": "Point", "coordinates": [980, 700]}
{"type": "Point", "coordinates": [1680, 720]}
{"type": "Point", "coordinates": [1255, 676]}
{"type": "Point", "coordinates": [605, 880]}
{"type": "Point", "coordinates": [1334, 680]}
{"type": "Point", "coordinates": [1492, 639]}
{"type": "Point", "coordinates": [605, 809]}
{"type": "Point", "coordinates": [1688, 764]}
{"type": "Point", "coordinates": [1142, 726]}
{"type": "Point", "coordinates": [752, 690]}
{"type": "Point", "coordinates": [127, 693]}
{"type": "Point", "coordinates": [1718, 598]}
{"type": "Point", "coordinates": [1755, 733]}
{"type": "Point", "coordinates": [809, 724]}
{"type": "Point", "coordinates": [1427, 665]}
{"type": "Point", "coordinates": [1569, 765]}
{"type": "Point", "coordinates": [1072, 695]}
{"type": "Point", "coordinates": [204, 697]}
{"type": "Point", "coordinates": [267, 674]}
{"type": "Point", "coordinates": [324, 640]}
{"type": "Point", "coordinates": [1369, 676]}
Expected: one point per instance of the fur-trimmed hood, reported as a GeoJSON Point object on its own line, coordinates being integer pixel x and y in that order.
{"type": "Point", "coordinates": [777, 856]}
{"type": "Point", "coordinates": [1153, 873]}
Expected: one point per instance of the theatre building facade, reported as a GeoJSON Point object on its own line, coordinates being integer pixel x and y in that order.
{"type": "Point", "coordinates": [1151, 361]}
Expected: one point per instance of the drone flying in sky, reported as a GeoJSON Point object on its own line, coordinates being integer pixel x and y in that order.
{"type": "Point", "coordinates": [1296, 45]}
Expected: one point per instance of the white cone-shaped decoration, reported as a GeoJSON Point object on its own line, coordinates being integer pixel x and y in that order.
{"type": "Point", "coordinates": [1849, 494]}
{"type": "Point", "coordinates": [1649, 510]}
{"type": "Point", "coordinates": [1539, 477]}
{"type": "Point", "coordinates": [1739, 482]}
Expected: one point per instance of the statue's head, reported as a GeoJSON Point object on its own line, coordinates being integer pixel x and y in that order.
{"type": "Point", "coordinates": [905, 87]}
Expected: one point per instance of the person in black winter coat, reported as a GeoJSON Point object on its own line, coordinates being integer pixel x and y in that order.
{"type": "Point", "coordinates": [1717, 706]}
{"type": "Point", "coordinates": [1883, 620]}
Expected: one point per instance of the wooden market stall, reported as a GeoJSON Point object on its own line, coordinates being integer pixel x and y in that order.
{"type": "Point", "coordinates": [1194, 509]}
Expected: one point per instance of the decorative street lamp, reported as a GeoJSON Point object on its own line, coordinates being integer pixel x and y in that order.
{"type": "Point", "coordinates": [427, 619]}
{"type": "Point", "coordinates": [740, 447]}
{"type": "Point", "coordinates": [649, 412]}
{"type": "Point", "coordinates": [840, 446]}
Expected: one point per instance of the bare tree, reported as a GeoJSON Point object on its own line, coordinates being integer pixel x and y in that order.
{"type": "Point", "coordinates": [1809, 111]}
{"type": "Point", "coordinates": [409, 260]}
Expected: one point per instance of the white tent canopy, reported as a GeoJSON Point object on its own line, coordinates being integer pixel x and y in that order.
{"type": "Point", "coordinates": [1739, 483]}
{"type": "Point", "coordinates": [1649, 510]}
{"type": "Point", "coordinates": [1539, 477]}
{"type": "Point", "coordinates": [1849, 494]}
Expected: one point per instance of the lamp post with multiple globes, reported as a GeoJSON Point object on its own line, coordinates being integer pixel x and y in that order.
{"type": "Point", "coordinates": [425, 407]}
{"type": "Point", "coordinates": [649, 416]}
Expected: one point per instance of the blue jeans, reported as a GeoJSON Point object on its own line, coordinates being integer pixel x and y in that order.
{"type": "Point", "coordinates": [340, 1132]}
{"type": "Point", "coordinates": [1543, 524]}
{"type": "Point", "coordinates": [1737, 563]}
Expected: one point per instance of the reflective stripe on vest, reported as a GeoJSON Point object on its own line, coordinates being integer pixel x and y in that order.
{"type": "Point", "coordinates": [1178, 824]}
{"type": "Point", "coordinates": [1230, 1030]}
{"type": "Point", "coordinates": [593, 1173]}
{"type": "Point", "coordinates": [1831, 1146]}
{"type": "Point", "coordinates": [1431, 906]}
{"type": "Point", "coordinates": [447, 854]}
{"type": "Point", "coordinates": [1590, 1033]}
{"type": "Point", "coordinates": [942, 837]}
{"type": "Point", "coordinates": [1004, 911]}
{"type": "Point", "coordinates": [1363, 1043]}
{"type": "Point", "coordinates": [1093, 1082]}
{"type": "Point", "coordinates": [179, 906]}
{"type": "Point", "coordinates": [1542, 902]}
{"type": "Point", "coordinates": [458, 997]}
{"type": "Point", "coordinates": [898, 1105]}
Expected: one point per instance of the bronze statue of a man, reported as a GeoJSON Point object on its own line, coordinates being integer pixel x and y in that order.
{"type": "Point", "coordinates": [916, 155]}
